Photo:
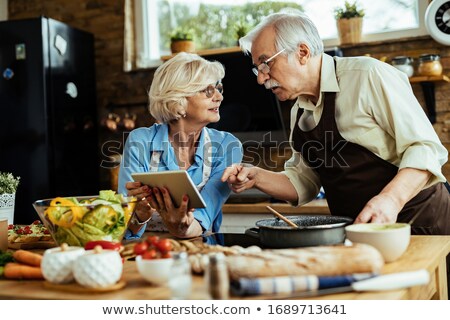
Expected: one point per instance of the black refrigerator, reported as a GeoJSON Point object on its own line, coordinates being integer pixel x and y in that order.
{"type": "Point", "coordinates": [48, 119]}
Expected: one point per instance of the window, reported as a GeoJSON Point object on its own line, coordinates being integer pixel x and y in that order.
{"type": "Point", "coordinates": [214, 21]}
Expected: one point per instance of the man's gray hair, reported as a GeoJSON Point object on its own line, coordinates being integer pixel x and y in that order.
{"type": "Point", "coordinates": [292, 28]}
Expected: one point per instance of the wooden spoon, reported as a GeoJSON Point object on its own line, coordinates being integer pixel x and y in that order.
{"type": "Point", "coordinates": [279, 215]}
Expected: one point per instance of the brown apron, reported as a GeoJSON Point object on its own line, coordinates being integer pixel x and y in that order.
{"type": "Point", "coordinates": [351, 175]}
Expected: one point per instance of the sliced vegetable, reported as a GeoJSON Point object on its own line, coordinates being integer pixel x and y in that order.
{"type": "Point", "coordinates": [103, 217]}
{"type": "Point", "coordinates": [79, 220]}
{"type": "Point", "coordinates": [107, 245]}
{"type": "Point", "coordinates": [64, 212]}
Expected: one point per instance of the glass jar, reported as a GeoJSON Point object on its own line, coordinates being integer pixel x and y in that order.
{"type": "Point", "coordinates": [404, 64]}
{"type": "Point", "coordinates": [429, 65]}
{"type": "Point", "coordinates": [180, 282]}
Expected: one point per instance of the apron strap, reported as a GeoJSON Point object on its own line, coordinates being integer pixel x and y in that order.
{"type": "Point", "coordinates": [447, 186]}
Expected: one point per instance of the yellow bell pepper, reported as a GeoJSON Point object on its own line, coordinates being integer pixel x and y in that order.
{"type": "Point", "coordinates": [64, 212]}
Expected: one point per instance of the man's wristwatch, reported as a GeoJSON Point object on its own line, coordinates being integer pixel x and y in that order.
{"type": "Point", "coordinates": [135, 220]}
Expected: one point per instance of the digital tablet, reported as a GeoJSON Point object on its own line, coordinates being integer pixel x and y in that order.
{"type": "Point", "coordinates": [178, 182]}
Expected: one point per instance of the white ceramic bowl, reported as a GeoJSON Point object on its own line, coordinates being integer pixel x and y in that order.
{"type": "Point", "coordinates": [98, 270]}
{"type": "Point", "coordinates": [155, 271]}
{"type": "Point", "coordinates": [391, 239]}
{"type": "Point", "coordinates": [57, 264]}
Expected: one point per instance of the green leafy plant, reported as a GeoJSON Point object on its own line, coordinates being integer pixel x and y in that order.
{"type": "Point", "coordinates": [182, 34]}
{"type": "Point", "coordinates": [214, 24]}
{"type": "Point", "coordinates": [8, 183]}
{"type": "Point", "coordinates": [349, 11]}
{"type": "Point", "coordinates": [242, 28]}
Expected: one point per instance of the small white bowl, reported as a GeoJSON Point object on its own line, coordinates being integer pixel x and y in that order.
{"type": "Point", "coordinates": [98, 269]}
{"type": "Point", "coordinates": [391, 239]}
{"type": "Point", "coordinates": [57, 264]}
{"type": "Point", "coordinates": [155, 271]}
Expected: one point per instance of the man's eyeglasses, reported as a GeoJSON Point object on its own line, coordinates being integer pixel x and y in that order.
{"type": "Point", "coordinates": [211, 89]}
{"type": "Point", "coordinates": [264, 66]}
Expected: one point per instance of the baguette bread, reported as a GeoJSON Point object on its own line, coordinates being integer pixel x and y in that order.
{"type": "Point", "coordinates": [321, 261]}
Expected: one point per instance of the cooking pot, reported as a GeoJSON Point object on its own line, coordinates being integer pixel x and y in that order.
{"type": "Point", "coordinates": [313, 230]}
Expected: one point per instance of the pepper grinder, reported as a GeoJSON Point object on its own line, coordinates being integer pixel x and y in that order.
{"type": "Point", "coordinates": [217, 279]}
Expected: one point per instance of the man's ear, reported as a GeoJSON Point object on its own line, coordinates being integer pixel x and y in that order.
{"type": "Point", "coordinates": [303, 53]}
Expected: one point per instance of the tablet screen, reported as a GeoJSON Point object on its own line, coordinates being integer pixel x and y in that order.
{"type": "Point", "coordinates": [178, 182]}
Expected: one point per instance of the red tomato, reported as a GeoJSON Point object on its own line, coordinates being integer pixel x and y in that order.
{"type": "Point", "coordinates": [10, 226]}
{"type": "Point", "coordinates": [150, 254]}
{"type": "Point", "coordinates": [152, 240]}
{"type": "Point", "coordinates": [107, 245]}
{"type": "Point", "coordinates": [166, 255]}
{"type": "Point", "coordinates": [140, 248]}
{"type": "Point", "coordinates": [164, 245]}
{"type": "Point", "coordinates": [37, 222]}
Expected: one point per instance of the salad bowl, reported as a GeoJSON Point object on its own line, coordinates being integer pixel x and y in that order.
{"type": "Point", "coordinates": [78, 220]}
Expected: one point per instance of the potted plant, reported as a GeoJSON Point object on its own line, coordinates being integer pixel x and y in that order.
{"type": "Point", "coordinates": [241, 28]}
{"type": "Point", "coordinates": [8, 187]}
{"type": "Point", "coordinates": [182, 40]}
{"type": "Point", "coordinates": [349, 23]}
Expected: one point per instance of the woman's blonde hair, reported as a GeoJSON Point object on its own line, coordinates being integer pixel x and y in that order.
{"type": "Point", "coordinates": [180, 77]}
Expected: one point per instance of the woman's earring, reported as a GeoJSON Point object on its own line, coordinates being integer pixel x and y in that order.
{"type": "Point", "coordinates": [184, 115]}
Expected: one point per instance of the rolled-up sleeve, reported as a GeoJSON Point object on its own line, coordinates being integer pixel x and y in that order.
{"type": "Point", "coordinates": [398, 112]}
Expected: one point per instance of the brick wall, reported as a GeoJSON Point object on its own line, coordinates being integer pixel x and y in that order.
{"type": "Point", "coordinates": [105, 20]}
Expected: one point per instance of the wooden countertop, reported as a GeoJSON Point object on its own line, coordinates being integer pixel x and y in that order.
{"type": "Point", "coordinates": [424, 252]}
{"type": "Point", "coordinates": [319, 206]}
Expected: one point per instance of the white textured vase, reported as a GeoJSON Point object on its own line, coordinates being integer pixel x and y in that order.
{"type": "Point", "coordinates": [7, 206]}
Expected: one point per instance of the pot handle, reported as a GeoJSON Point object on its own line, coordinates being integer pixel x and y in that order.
{"type": "Point", "coordinates": [253, 232]}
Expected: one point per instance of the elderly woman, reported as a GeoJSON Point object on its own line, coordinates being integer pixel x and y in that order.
{"type": "Point", "coordinates": [185, 96]}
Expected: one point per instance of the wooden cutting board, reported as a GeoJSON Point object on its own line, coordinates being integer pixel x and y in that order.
{"type": "Point", "coordinates": [75, 287]}
{"type": "Point", "coordinates": [31, 245]}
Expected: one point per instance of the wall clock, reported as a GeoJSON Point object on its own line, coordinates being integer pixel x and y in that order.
{"type": "Point", "coordinates": [437, 21]}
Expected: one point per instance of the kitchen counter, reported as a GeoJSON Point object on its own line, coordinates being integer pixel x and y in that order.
{"type": "Point", "coordinates": [237, 217]}
{"type": "Point", "coordinates": [424, 252]}
{"type": "Point", "coordinates": [319, 206]}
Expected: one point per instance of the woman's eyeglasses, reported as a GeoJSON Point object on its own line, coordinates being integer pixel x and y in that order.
{"type": "Point", "coordinates": [211, 89]}
{"type": "Point", "coordinates": [264, 66]}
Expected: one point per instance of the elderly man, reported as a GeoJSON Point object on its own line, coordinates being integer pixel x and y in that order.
{"type": "Point", "coordinates": [356, 129]}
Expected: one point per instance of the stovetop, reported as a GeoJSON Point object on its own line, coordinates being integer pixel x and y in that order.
{"type": "Point", "coordinates": [232, 239]}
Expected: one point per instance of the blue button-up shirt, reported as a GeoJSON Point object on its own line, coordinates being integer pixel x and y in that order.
{"type": "Point", "coordinates": [226, 150]}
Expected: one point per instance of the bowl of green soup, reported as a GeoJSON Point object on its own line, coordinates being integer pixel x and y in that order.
{"type": "Point", "coordinates": [391, 239]}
